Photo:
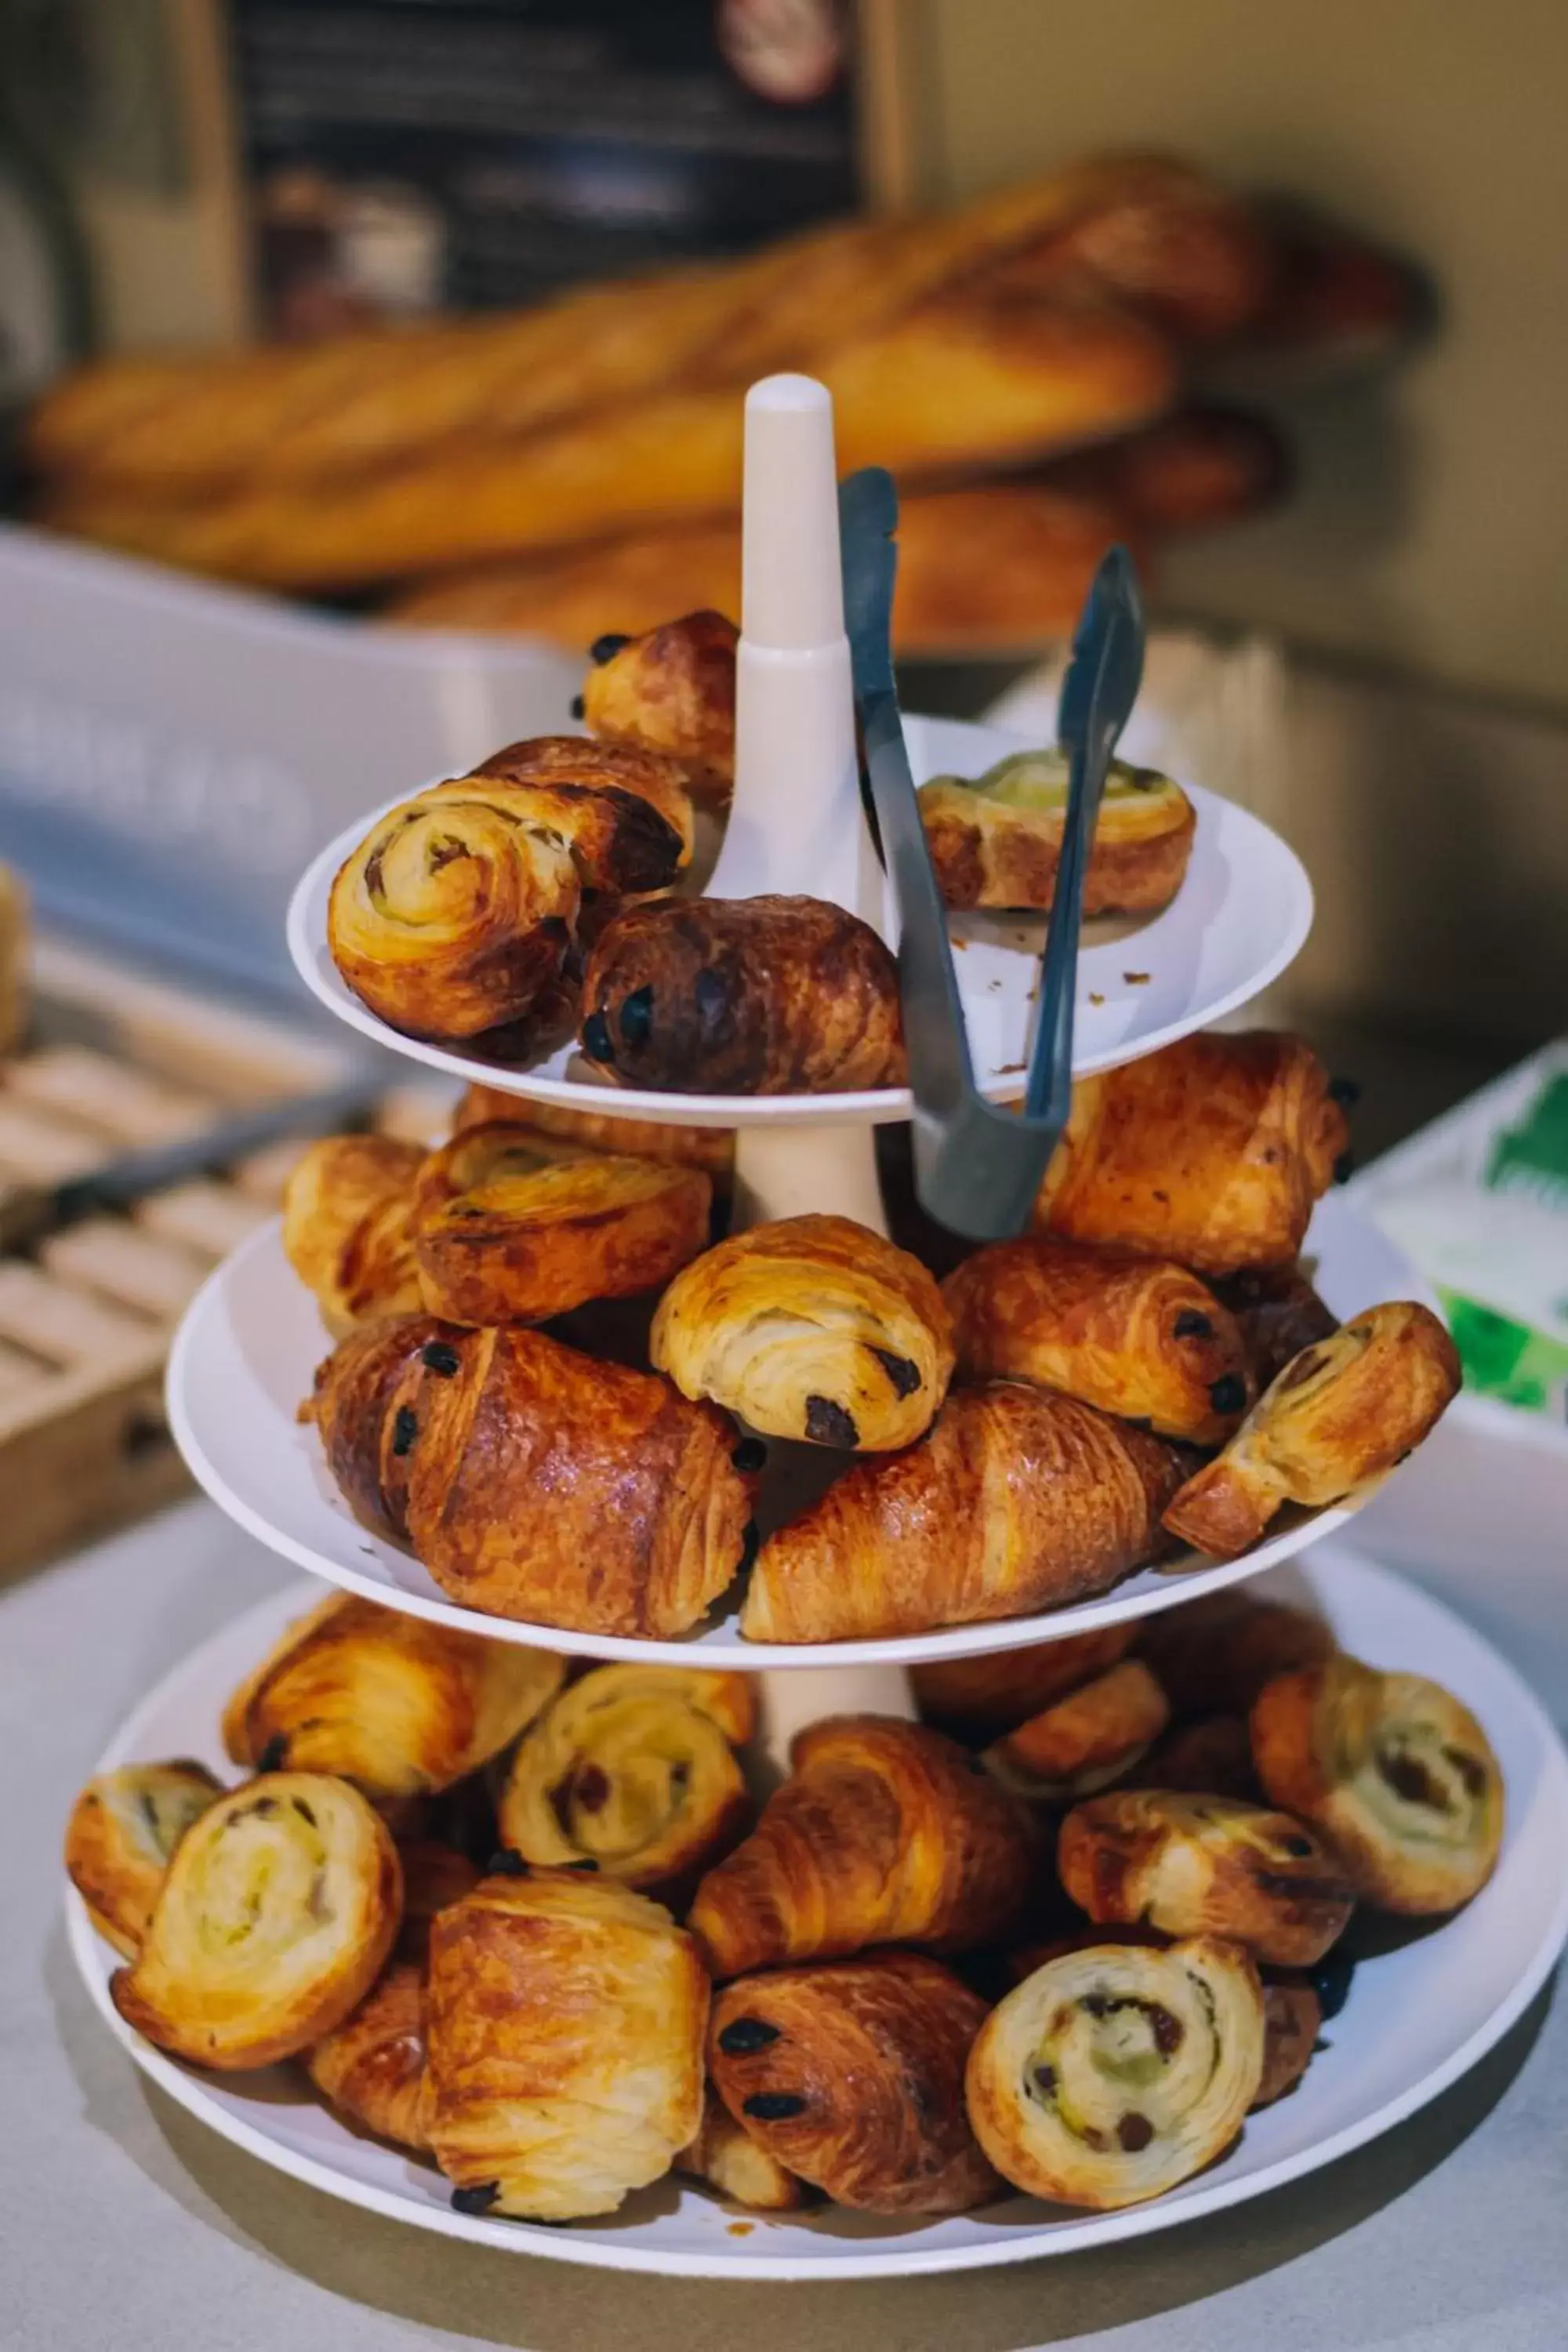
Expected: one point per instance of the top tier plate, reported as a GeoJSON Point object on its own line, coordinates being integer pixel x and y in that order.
{"type": "Point", "coordinates": [1239, 920]}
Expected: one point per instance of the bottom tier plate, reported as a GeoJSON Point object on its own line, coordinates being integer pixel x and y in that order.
{"type": "Point", "coordinates": [1418, 2016]}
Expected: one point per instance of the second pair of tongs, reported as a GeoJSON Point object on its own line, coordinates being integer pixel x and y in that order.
{"type": "Point", "coordinates": [978, 1167]}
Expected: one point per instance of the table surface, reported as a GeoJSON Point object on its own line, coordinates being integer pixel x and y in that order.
{"type": "Point", "coordinates": [124, 2223]}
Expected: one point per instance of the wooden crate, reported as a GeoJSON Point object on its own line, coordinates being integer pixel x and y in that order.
{"type": "Point", "coordinates": [114, 1062]}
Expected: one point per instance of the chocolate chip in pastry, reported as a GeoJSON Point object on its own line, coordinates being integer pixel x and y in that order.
{"type": "Point", "coordinates": [851, 2075]}
{"type": "Point", "coordinates": [1138, 1337]}
{"type": "Point", "coordinates": [548, 1486]}
{"type": "Point", "coordinates": [997, 841]}
{"type": "Point", "coordinates": [1092, 1736]}
{"type": "Point", "coordinates": [976, 1698]}
{"type": "Point", "coordinates": [566, 2017]}
{"type": "Point", "coordinates": [745, 996]}
{"type": "Point", "coordinates": [279, 1907]}
{"type": "Point", "coordinates": [1017, 1499]}
{"type": "Point", "coordinates": [1346, 1409]}
{"type": "Point", "coordinates": [811, 1328]}
{"type": "Point", "coordinates": [885, 1833]}
{"type": "Point", "coordinates": [400, 1705]}
{"type": "Point", "coordinates": [1211, 1152]}
{"type": "Point", "coordinates": [455, 916]}
{"type": "Point", "coordinates": [1200, 1866]}
{"type": "Point", "coordinates": [739, 2166]}
{"type": "Point", "coordinates": [346, 1227]}
{"type": "Point", "coordinates": [1116, 2072]}
{"type": "Point", "coordinates": [504, 1232]}
{"type": "Point", "coordinates": [122, 1832]}
{"type": "Point", "coordinates": [633, 1768]}
{"type": "Point", "coordinates": [671, 689]}
{"type": "Point", "coordinates": [1392, 1769]}
{"type": "Point", "coordinates": [1213, 1654]}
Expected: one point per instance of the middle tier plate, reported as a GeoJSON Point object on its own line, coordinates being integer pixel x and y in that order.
{"type": "Point", "coordinates": [1240, 917]}
{"type": "Point", "coordinates": [245, 1355]}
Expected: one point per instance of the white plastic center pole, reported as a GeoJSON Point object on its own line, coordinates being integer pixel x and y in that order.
{"type": "Point", "coordinates": [796, 826]}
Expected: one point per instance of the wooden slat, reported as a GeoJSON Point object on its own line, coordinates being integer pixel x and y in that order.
{"type": "Point", "coordinates": [205, 1216]}
{"type": "Point", "coordinates": [129, 1107]}
{"type": "Point", "coordinates": [36, 1148]}
{"type": "Point", "coordinates": [65, 1327]}
{"type": "Point", "coordinates": [127, 1266]}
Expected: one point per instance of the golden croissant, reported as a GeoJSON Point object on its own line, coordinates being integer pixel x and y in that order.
{"type": "Point", "coordinates": [1136, 1336]}
{"type": "Point", "coordinates": [1347, 1409]}
{"type": "Point", "coordinates": [398, 1705]}
{"type": "Point", "coordinates": [565, 2026]}
{"type": "Point", "coordinates": [851, 2074]}
{"type": "Point", "coordinates": [885, 1833]}
{"type": "Point", "coordinates": [813, 1328]}
{"type": "Point", "coordinates": [1114, 2072]}
{"type": "Point", "coordinates": [1017, 1499]}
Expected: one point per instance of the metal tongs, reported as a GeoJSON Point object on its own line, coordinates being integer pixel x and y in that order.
{"type": "Point", "coordinates": [978, 1167]}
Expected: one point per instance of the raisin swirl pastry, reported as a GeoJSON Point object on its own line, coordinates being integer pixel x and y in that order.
{"type": "Point", "coordinates": [884, 1833]}
{"type": "Point", "coordinates": [742, 996]}
{"type": "Point", "coordinates": [812, 1328]}
{"type": "Point", "coordinates": [1345, 1409]}
{"type": "Point", "coordinates": [506, 1232]}
{"type": "Point", "coordinates": [851, 2075]}
{"type": "Point", "coordinates": [1211, 1152]}
{"type": "Point", "coordinates": [565, 2026]}
{"type": "Point", "coordinates": [633, 1768]}
{"type": "Point", "coordinates": [1136, 1336]}
{"type": "Point", "coordinates": [455, 916]}
{"type": "Point", "coordinates": [711, 1148]}
{"type": "Point", "coordinates": [671, 689]}
{"type": "Point", "coordinates": [122, 1831]}
{"type": "Point", "coordinates": [1116, 2072]}
{"type": "Point", "coordinates": [1016, 1499]}
{"type": "Point", "coordinates": [626, 808]}
{"type": "Point", "coordinates": [399, 1705]}
{"type": "Point", "coordinates": [279, 1907]}
{"type": "Point", "coordinates": [1394, 1771]}
{"type": "Point", "coordinates": [997, 841]}
{"type": "Point", "coordinates": [1093, 1736]}
{"type": "Point", "coordinates": [346, 1210]}
{"type": "Point", "coordinates": [1202, 1866]}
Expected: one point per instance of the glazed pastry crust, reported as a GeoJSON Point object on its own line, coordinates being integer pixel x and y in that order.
{"type": "Point", "coordinates": [852, 2076]}
{"type": "Point", "coordinates": [632, 1768]}
{"type": "Point", "coordinates": [547, 1485]}
{"type": "Point", "coordinates": [345, 1227]}
{"type": "Point", "coordinates": [757, 996]}
{"type": "Point", "coordinates": [1394, 1771]}
{"type": "Point", "coordinates": [372, 2067]}
{"type": "Point", "coordinates": [975, 1699]}
{"type": "Point", "coordinates": [505, 1233]}
{"type": "Point", "coordinates": [811, 1328]}
{"type": "Point", "coordinates": [1017, 1499]}
{"type": "Point", "coordinates": [122, 1830]}
{"type": "Point", "coordinates": [360, 1388]}
{"type": "Point", "coordinates": [625, 808]}
{"type": "Point", "coordinates": [566, 2019]}
{"type": "Point", "coordinates": [1212, 1152]}
{"type": "Point", "coordinates": [1345, 1409]}
{"type": "Point", "coordinates": [730, 2160]}
{"type": "Point", "coordinates": [454, 915]}
{"type": "Point", "coordinates": [1116, 2072]}
{"type": "Point", "coordinates": [1200, 1866]}
{"type": "Point", "coordinates": [1087, 1739]}
{"type": "Point", "coordinates": [1213, 1655]}
{"type": "Point", "coordinates": [279, 1907]}
{"type": "Point", "coordinates": [711, 1148]}
{"type": "Point", "coordinates": [398, 1705]}
{"type": "Point", "coordinates": [1136, 1336]}
{"type": "Point", "coordinates": [672, 689]}
{"type": "Point", "coordinates": [885, 1833]}
{"type": "Point", "coordinates": [994, 843]}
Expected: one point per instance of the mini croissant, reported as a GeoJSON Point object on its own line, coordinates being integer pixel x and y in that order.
{"type": "Point", "coordinates": [884, 1833]}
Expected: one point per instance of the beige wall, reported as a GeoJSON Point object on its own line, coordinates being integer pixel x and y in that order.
{"type": "Point", "coordinates": [1433, 526]}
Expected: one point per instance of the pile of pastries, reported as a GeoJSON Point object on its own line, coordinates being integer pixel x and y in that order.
{"type": "Point", "coordinates": [570, 468]}
{"type": "Point", "coordinates": [534, 898]}
{"type": "Point", "coordinates": [579, 1400]}
{"type": "Point", "coordinates": [1065, 1934]}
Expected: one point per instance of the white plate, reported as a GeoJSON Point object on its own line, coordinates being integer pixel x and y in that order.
{"type": "Point", "coordinates": [244, 1356]}
{"type": "Point", "coordinates": [1240, 917]}
{"type": "Point", "coordinates": [1416, 2018]}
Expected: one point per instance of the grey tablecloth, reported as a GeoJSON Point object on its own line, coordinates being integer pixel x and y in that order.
{"type": "Point", "coordinates": [125, 2225]}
